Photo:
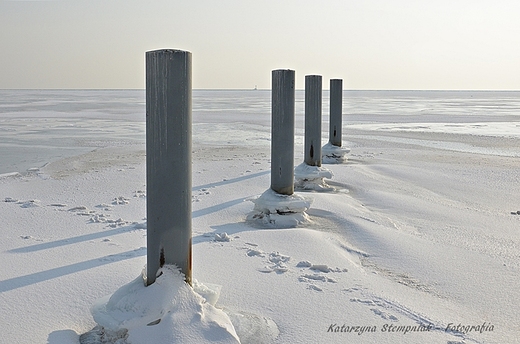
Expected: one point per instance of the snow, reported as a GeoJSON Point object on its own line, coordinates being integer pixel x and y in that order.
{"type": "Point", "coordinates": [10, 174]}
{"type": "Point", "coordinates": [418, 243]}
{"type": "Point", "coordinates": [275, 210]}
{"type": "Point", "coordinates": [312, 178]}
{"type": "Point", "coordinates": [331, 154]}
{"type": "Point", "coordinates": [167, 311]}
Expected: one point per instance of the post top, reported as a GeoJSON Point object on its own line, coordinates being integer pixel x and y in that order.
{"type": "Point", "coordinates": [168, 51]}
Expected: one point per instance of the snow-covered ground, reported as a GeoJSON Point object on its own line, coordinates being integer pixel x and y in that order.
{"type": "Point", "coordinates": [419, 242]}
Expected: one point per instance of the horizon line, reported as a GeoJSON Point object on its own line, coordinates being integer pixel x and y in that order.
{"type": "Point", "coordinates": [265, 89]}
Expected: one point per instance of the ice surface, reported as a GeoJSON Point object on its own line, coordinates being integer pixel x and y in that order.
{"type": "Point", "coordinates": [427, 235]}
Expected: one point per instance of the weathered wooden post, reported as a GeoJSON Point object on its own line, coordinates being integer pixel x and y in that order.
{"type": "Point", "coordinates": [282, 131]}
{"type": "Point", "coordinates": [279, 206]}
{"type": "Point", "coordinates": [168, 161]}
{"type": "Point", "coordinates": [309, 175]}
{"type": "Point", "coordinates": [336, 104]}
{"type": "Point", "coordinates": [313, 96]}
{"type": "Point", "coordinates": [333, 152]}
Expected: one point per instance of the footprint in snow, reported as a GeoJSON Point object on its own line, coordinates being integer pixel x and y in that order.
{"type": "Point", "coordinates": [120, 200]}
{"type": "Point", "coordinates": [384, 315]}
{"type": "Point", "coordinates": [276, 257]}
{"type": "Point", "coordinates": [140, 194]}
{"type": "Point", "coordinates": [222, 237]}
{"type": "Point", "coordinates": [316, 277]}
{"type": "Point", "coordinates": [314, 287]}
{"type": "Point", "coordinates": [33, 203]}
{"type": "Point", "coordinates": [319, 267]}
{"type": "Point", "coordinates": [352, 290]}
{"type": "Point", "coordinates": [276, 262]}
{"type": "Point", "coordinates": [78, 208]}
{"type": "Point", "coordinates": [29, 237]}
{"type": "Point", "coordinates": [384, 308]}
{"type": "Point", "coordinates": [200, 192]}
{"type": "Point", "coordinates": [105, 207]}
{"type": "Point", "coordinates": [253, 253]}
{"type": "Point", "coordinates": [58, 205]}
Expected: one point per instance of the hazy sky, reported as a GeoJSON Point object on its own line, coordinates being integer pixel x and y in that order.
{"type": "Point", "coordinates": [370, 44]}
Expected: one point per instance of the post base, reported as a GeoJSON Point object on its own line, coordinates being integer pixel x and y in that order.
{"type": "Point", "coordinates": [331, 154]}
{"type": "Point", "coordinates": [167, 311]}
{"type": "Point", "coordinates": [274, 210]}
{"type": "Point", "coordinates": [312, 178]}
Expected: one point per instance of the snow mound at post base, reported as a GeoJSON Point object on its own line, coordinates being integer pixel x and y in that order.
{"type": "Point", "coordinates": [274, 210]}
{"type": "Point", "coordinates": [311, 178]}
{"type": "Point", "coordinates": [331, 154]}
{"type": "Point", "coordinates": [167, 311]}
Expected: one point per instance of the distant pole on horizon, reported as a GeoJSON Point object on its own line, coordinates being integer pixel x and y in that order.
{"type": "Point", "coordinates": [282, 131]}
{"type": "Point", "coordinates": [313, 97]}
{"type": "Point", "coordinates": [168, 161]}
{"type": "Point", "coordinates": [336, 109]}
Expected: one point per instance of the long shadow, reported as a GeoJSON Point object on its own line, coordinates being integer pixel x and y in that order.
{"type": "Point", "coordinates": [110, 232]}
{"type": "Point", "coordinates": [231, 181]}
{"type": "Point", "coordinates": [216, 207]}
{"type": "Point", "coordinates": [70, 241]}
{"type": "Point", "coordinates": [37, 277]}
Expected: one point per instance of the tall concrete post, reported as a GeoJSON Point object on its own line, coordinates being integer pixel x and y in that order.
{"type": "Point", "coordinates": [313, 89]}
{"type": "Point", "coordinates": [168, 161]}
{"type": "Point", "coordinates": [282, 131]}
{"type": "Point", "coordinates": [336, 109]}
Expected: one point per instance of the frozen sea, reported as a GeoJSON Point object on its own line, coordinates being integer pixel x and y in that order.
{"type": "Point", "coordinates": [422, 228]}
{"type": "Point", "coordinates": [41, 126]}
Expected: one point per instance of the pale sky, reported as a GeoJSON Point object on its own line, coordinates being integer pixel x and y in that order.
{"type": "Point", "coordinates": [370, 44]}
